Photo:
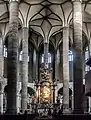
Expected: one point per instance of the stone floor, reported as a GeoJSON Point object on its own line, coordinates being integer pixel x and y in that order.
{"type": "Point", "coordinates": [32, 117]}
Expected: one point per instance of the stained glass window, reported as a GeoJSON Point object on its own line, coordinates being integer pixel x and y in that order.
{"type": "Point", "coordinates": [70, 56]}
{"type": "Point", "coordinates": [5, 51]}
{"type": "Point", "coordinates": [87, 68]}
{"type": "Point", "coordinates": [49, 58]}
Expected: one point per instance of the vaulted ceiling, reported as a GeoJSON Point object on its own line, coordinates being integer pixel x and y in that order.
{"type": "Point", "coordinates": [46, 17]}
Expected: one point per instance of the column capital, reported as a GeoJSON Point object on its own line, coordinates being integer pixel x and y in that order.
{"type": "Point", "coordinates": [77, 1]}
{"type": "Point", "coordinates": [25, 27]}
{"type": "Point", "coordinates": [46, 42]}
{"type": "Point", "coordinates": [65, 27]}
{"type": "Point", "coordinates": [14, 0]}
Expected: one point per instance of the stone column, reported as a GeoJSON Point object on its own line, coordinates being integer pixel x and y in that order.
{"type": "Point", "coordinates": [78, 57]}
{"type": "Point", "coordinates": [84, 65]}
{"type": "Point", "coordinates": [72, 103]}
{"type": "Point", "coordinates": [13, 57]}
{"type": "Point", "coordinates": [1, 58]}
{"type": "Point", "coordinates": [89, 104]}
{"type": "Point", "coordinates": [46, 49]}
{"type": "Point", "coordinates": [18, 85]}
{"type": "Point", "coordinates": [1, 73]}
{"type": "Point", "coordinates": [1, 96]}
{"type": "Point", "coordinates": [57, 64]}
{"type": "Point", "coordinates": [30, 67]}
{"type": "Point", "coordinates": [35, 64]}
{"type": "Point", "coordinates": [65, 70]}
{"type": "Point", "coordinates": [90, 47]}
{"type": "Point", "coordinates": [24, 68]}
{"type": "Point", "coordinates": [18, 96]}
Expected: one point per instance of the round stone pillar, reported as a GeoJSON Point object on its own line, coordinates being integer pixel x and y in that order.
{"type": "Point", "coordinates": [57, 64]}
{"type": "Point", "coordinates": [1, 97]}
{"type": "Point", "coordinates": [1, 73]}
{"type": "Point", "coordinates": [18, 97]}
{"type": "Point", "coordinates": [65, 70]}
{"type": "Point", "coordinates": [89, 47]}
{"type": "Point", "coordinates": [1, 57]}
{"type": "Point", "coordinates": [24, 68]}
{"type": "Point", "coordinates": [72, 104]}
{"type": "Point", "coordinates": [46, 49]}
{"type": "Point", "coordinates": [78, 57]}
{"type": "Point", "coordinates": [30, 68]}
{"type": "Point", "coordinates": [12, 57]}
{"type": "Point", "coordinates": [89, 105]}
{"type": "Point", "coordinates": [35, 65]}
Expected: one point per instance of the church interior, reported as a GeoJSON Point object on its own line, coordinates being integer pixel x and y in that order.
{"type": "Point", "coordinates": [45, 46]}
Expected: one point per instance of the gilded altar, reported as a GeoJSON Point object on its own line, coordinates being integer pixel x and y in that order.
{"type": "Point", "coordinates": [44, 88]}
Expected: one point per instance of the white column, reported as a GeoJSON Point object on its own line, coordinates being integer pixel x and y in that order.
{"type": "Point", "coordinates": [12, 57]}
{"type": "Point", "coordinates": [1, 58]}
{"type": "Point", "coordinates": [1, 73]}
{"type": "Point", "coordinates": [89, 50]}
{"type": "Point", "coordinates": [46, 49]}
{"type": "Point", "coordinates": [72, 102]}
{"type": "Point", "coordinates": [18, 97]}
{"type": "Point", "coordinates": [24, 68]}
{"type": "Point", "coordinates": [65, 70]}
{"type": "Point", "coordinates": [89, 104]}
{"type": "Point", "coordinates": [90, 47]}
{"type": "Point", "coordinates": [1, 97]}
{"type": "Point", "coordinates": [78, 57]}
{"type": "Point", "coordinates": [17, 102]}
{"type": "Point", "coordinates": [35, 64]}
{"type": "Point", "coordinates": [57, 64]}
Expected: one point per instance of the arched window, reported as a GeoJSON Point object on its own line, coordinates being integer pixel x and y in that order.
{"type": "Point", "coordinates": [87, 68]}
{"type": "Point", "coordinates": [70, 55]}
{"type": "Point", "coordinates": [49, 58]}
{"type": "Point", "coordinates": [86, 53]}
{"type": "Point", "coordinates": [70, 65]}
{"type": "Point", "coordinates": [5, 51]}
{"type": "Point", "coordinates": [20, 57]}
{"type": "Point", "coordinates": [42, 58]}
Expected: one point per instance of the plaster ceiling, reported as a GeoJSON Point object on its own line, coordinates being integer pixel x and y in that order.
{"type": "Point", "coordinates": [46, 16]}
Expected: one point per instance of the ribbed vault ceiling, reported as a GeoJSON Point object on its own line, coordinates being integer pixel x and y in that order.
{"type": "Point", "coordinates": [46, 16]}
